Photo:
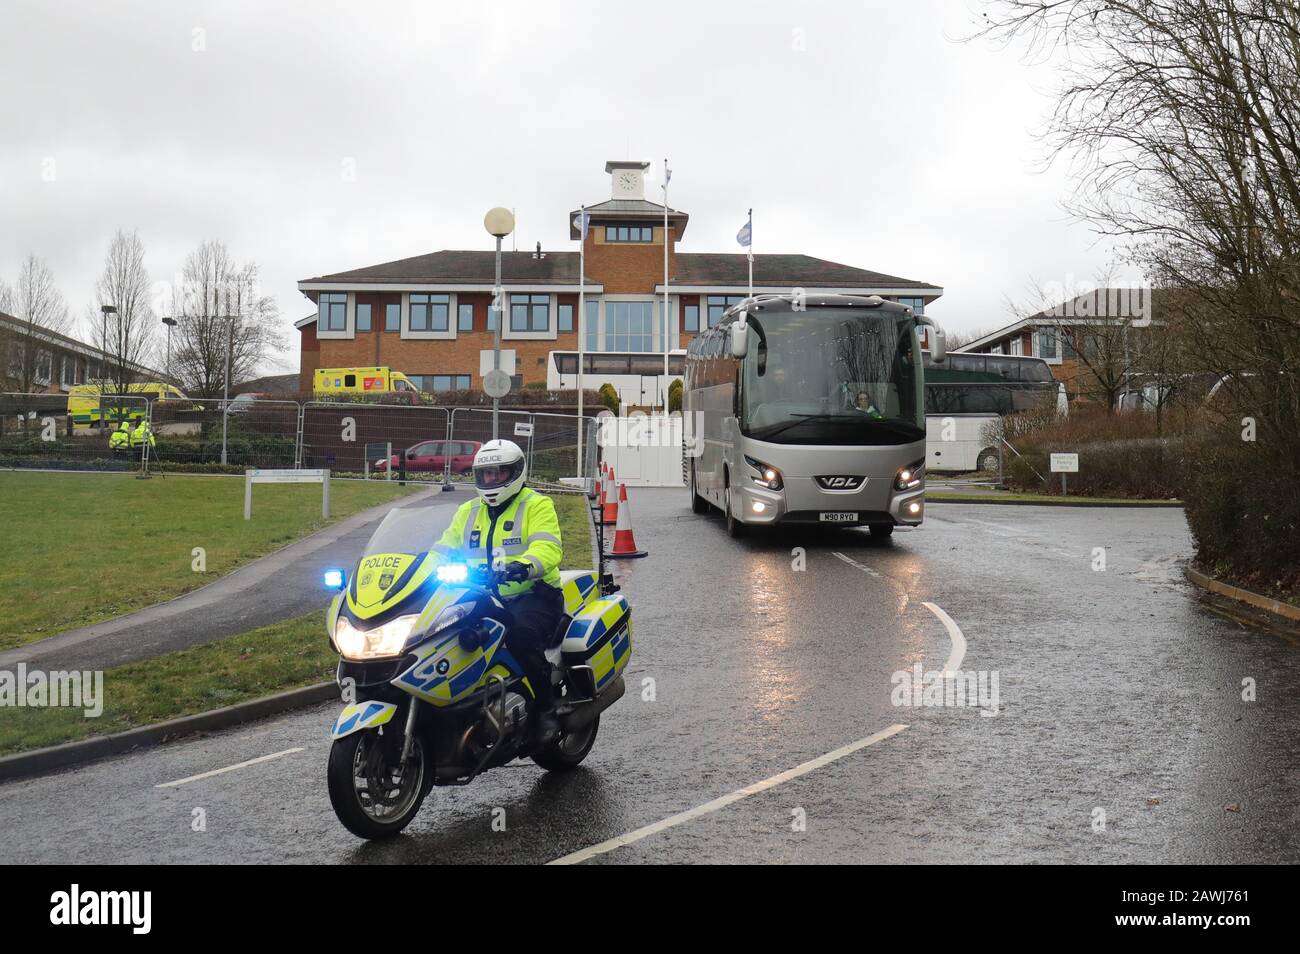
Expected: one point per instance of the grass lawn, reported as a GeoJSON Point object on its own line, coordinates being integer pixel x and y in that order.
{"type": "Point", "coordinates": [282, 656]}
{"type": "Point", "coordinates": [80, 548]}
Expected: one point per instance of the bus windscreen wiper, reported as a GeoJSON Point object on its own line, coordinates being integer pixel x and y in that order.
{"type": "Point", "coordinates": [808, 418]}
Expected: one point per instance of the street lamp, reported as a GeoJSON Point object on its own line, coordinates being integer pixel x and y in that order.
{"type": "Point", "coordinates": [106, 310]}
{"type": "Point", "coordinates": [499, 222]}
{"type": "Point", "coordinates": [170, 322]}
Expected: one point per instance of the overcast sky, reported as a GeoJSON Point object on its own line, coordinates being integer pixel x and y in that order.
{"type": "Point", "coordinates": [317, 137]}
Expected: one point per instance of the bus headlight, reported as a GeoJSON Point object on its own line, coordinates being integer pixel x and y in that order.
{"type": "Point", "coordinates": [768, 476]}
{"type": "Point", "coordinates": [911, 476]}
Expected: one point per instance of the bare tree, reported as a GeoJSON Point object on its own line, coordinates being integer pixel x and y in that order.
{"type": "Point", "coordinates": [38, 305]}
{"type": "Point", "coordinates": [1182, 121]}
{"type": "Point", "coordinates": [219, 307]}
{"type": "Point", "coordinates": [126, 337]}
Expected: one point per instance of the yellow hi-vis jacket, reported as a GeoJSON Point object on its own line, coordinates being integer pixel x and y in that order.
{"type": "Point", "coordinates": [527, 530]}
{"type": "Point", "coordinates": [143, 432]}
{"type": "Point", "coordinates": [119, 438]}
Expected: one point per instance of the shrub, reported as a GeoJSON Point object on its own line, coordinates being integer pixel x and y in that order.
{"type": "Point", "coordinates": [609, 396]}
{"type": "Point", "coordinates": [675, 396]}
{"type": "Point", "coordinates": [1120, 455]}
{"type": "Point", "coordinates": [1244, 513]}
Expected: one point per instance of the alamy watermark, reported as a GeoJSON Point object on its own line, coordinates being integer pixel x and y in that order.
{"type": "Point", "coordinates": [38, 689]}
{"type": "Point", "coordinates": [1084, 301]}
{"type": "Point", "coordinates": [937, 688]}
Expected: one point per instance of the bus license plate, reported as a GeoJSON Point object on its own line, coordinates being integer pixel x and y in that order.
{"type": "Point", "coordinates": [839, 516]}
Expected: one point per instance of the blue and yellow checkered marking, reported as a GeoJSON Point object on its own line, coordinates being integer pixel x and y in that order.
{"type": "Point", "coordinates": [362, 715]}
{"type": "Point", "coordinates": [610, 615]}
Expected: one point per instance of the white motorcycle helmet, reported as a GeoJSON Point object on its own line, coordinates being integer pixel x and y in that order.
{"type": "Point", "coordinates": [499, 471]}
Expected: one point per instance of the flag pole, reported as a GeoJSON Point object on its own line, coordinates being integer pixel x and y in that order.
{"type": "Point", "coordinates": [664, 324]}
{"type": "Point", "coordinates": [750, 253]}
{"type": "Point", "coordinates": [582, 316]}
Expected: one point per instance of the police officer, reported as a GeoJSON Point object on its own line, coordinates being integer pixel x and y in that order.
{"type": "Point", "coordinates": [120, 439]}
{"type": "Point", "coordinates": [515, 528]}
{"type": "Point", "coordinates": [143, 432]}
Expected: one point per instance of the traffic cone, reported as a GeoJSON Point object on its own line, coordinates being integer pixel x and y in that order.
{"type": "Point", "coordinates": [624, 543]}
{"type": "Point", "coordinates": [609, 511]}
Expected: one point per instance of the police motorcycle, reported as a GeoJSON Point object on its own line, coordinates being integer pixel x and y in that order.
{"type": "Point", "coordinates": [434, 696]}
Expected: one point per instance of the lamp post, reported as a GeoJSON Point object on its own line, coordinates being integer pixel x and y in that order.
{"type": "Point", "coordinates": [170, 322]}
{"type": "Point", "coordinates": [105, 310]}
{"type": "Point", "coordinates": [499, 223]}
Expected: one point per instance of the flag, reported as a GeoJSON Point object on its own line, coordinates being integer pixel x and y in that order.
{"type": "Point", "coordinates": [746, 236]}
{"type": "Point", "coordinates": [580, 222]}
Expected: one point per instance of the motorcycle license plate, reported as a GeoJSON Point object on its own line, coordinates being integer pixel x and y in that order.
{"type": "Point", "coordinates": [839, 516]}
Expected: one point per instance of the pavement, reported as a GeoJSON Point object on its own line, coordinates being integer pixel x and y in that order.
{"type": "Point", "coordinates": [279, 586]}
{"type": "Point", "coordinates": [761, 724]}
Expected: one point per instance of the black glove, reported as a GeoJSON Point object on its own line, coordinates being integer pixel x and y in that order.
{"type": "Point", "coordinates": [516, 572]}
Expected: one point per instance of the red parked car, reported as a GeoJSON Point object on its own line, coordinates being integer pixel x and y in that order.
{"type": "Point", "coordinates": [432, 457]}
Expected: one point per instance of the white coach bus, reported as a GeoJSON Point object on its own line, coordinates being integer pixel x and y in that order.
{"type": "Point", "coordinates": [966, 392]}
{"type": "Point", "coordinates": [808, 411]}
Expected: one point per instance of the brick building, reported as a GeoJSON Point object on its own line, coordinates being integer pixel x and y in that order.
{"type": "Point", "coordinates": [49, 362]}
{"type": "Point", "coordinates": [429, 316]}
{"type": "Point", "coordinates": [1087, 323]}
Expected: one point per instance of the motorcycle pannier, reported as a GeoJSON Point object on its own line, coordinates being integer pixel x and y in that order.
{"type": "Point", "coordinates": [600, 637]}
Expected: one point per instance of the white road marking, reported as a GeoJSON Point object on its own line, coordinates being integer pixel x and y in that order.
{"type": "Point", "coordinates": [680, 818]}
{"type": "Point", "coordinates": [228, 768]}
{"type": "Point", "coordinates": [954, 633]}
{"type": "Point", "coordinates": [861, 566]}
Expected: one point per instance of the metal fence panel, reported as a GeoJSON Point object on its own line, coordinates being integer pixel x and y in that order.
{"type": "Point", "coordinates": [39, 431]}
{"type": "Point", "coordinates": [345, 436]}
{"type": "Point", "coordinates": [191, 434]}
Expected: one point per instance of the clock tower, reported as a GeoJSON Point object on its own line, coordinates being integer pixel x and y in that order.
{"type": "Point", "coordinates": [627, 179]}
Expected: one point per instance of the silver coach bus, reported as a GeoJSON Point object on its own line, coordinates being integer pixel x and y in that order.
{"type": "Point", "coordinates": [810, 414]}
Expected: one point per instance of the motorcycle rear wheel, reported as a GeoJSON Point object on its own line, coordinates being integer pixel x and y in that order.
{"type": "Point", "coordinates": [568, 751]}
{"type": "Point", "coordinates": [371, 796]}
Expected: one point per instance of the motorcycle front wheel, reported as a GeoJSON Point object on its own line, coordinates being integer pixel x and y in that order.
{"type": "Point", "coordinates": [372, 795]}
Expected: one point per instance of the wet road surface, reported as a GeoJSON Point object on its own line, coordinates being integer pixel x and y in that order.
{"type": "Point", "coordinates": [1120, 733]}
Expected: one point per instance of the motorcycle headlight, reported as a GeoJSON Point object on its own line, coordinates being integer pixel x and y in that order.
{"type": "Point", "coordinates": [386, 640]}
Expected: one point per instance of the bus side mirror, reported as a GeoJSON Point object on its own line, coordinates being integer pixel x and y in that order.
{"type": "Point", "coordinates": [939, 344]}
{"type": "Point", "coordinates": [739, 339]}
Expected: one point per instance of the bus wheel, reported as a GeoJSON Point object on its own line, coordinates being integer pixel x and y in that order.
{"type": "Point", "coordinates": [735, 529]}
{"type": "Point", "coordinates": [698, 503]}
{"type": "Point", "coordinates": [988, 459]}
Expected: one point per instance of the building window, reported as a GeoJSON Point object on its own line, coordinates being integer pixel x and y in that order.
{"type": "Point", "coordinates": [916, 304]}
{"type": "Point", "coordinates": [392, 317]}
{"type": "Point", "coordinates": [43, 361]}
{"type": "Point", "coordinates": [530, 312]}
{"type": "Point", "coordinates": [690, 317]}
{"type": "Point", "coordinates": [1015, 345]}
{"type": "Point", "coordinates": [363, 317]}
{"type": "Point", "coordinates": [333, 308]}
{"type": "Point", "coordinates": [629, 325]}
{"type": "Point", "coordinates": [440, 382]}
{"type": "Point", "coordinates": [593, 325]}
{"type": "Point", "coordinates": [718, 304]}
{"type": "Point", "coordinates": [465, 317]}
{"type": "Point", "coordinates": [629, 233]}
{"type": "Point", "coordinates": [492, 314]}
{"type": "Point", "coordinates": [69, 368]}
{"type": "Point", "coordinates": [564, 318]}
{"type": "Point", "coordinates": [1047, 343]}
{"type": "Point", "coordinates": [429, 312]}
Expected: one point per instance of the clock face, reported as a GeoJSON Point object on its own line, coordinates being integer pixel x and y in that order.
{"type": "Point", "coordinates": [627, 181]}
